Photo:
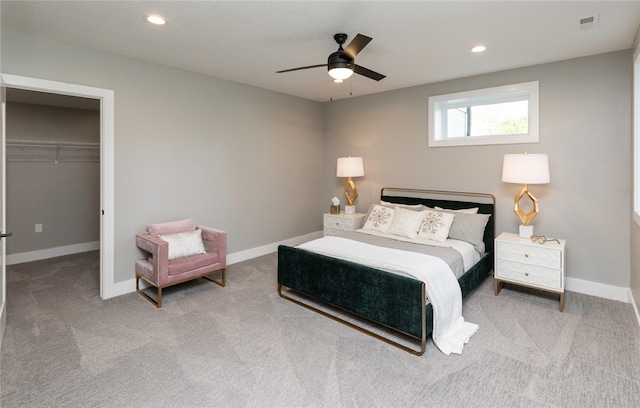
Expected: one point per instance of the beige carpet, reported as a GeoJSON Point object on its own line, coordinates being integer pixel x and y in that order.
{"type": "Point", "coordinates": [243, 346]}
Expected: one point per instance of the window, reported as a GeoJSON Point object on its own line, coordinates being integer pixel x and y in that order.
{"type": "Point", "coordinates": [501, 115]}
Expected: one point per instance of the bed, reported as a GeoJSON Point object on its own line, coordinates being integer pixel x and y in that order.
{"type": "Point", "coordinates": [352, 292]}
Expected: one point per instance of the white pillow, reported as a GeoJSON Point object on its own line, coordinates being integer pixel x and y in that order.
{"type": "Point", "coordinates": [406, 223]}
{"type": "Point", "coordinates": [415, 207]}
{"type": "Point", "coordinates": [183, 244]}
{"type": "Point", "coordinates": [473, 210]}
{"type": "Point", "coordinates": [435, 225]}
{"type": "Point", "coordinates": [379, 218]}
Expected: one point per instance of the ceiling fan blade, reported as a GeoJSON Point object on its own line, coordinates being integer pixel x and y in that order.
{"type": "Point", "coordinates": [299, 68]}
{"type": "Point", "coordinates": [355, 46]}
{"type": "Point", "coordinates": [368, 73]}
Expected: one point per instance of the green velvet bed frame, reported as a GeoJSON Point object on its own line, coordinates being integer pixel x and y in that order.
{"type": "Point", "coordinates": [396, 302]}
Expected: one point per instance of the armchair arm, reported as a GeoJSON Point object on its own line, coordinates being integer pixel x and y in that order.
{"type": "Point", "coordinates": [218, 242]}
{"type": "Point", "coordinates": [159, 251]}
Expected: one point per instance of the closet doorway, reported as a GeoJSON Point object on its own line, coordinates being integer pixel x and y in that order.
{"type": "Point", "coordinates": [100, 150]}
{"type": "Point", "coordinates": [52, 176]}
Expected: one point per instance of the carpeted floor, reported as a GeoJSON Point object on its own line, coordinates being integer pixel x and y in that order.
{"type": "Point", "coordinates": [244, 346]}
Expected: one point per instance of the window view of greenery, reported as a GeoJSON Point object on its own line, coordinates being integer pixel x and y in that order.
{"type": "Point", "coordinates": [508, 118]}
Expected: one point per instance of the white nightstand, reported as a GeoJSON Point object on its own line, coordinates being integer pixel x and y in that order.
{"type": "Point", "coordinates": [336, 224]}
{"type": "Point", "coordinates": [522, 262]}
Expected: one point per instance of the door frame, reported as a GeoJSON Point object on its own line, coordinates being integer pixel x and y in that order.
{"type": "Point", "coordinates": [108, 288]}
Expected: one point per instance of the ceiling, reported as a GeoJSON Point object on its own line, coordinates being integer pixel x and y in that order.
{"type": "Point", "coordinates": [414, 43]}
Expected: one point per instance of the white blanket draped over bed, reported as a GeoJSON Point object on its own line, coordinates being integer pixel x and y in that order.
{"type": "Point", "coordinates": [450, 331]}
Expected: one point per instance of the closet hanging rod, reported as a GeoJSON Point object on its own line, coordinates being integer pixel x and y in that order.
{"type": "Point", "coordinates": [51, 143]}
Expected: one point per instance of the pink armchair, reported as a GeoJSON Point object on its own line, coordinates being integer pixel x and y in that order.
{"type": "Point", "coordinates": [180, 251]}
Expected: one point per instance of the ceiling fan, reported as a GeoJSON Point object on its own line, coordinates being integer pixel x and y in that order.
{"type": "Point", "coordinates": [341, 64]}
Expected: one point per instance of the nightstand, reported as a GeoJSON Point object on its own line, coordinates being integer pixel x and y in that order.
{"type": "Point", "coordinates": [520, 261]}
{"type": "Point", "coordinates": [336, 224]}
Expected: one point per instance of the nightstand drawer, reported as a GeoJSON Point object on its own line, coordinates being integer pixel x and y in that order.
{"type": "Point", "coordinates": [333, 231]}
{"type": "Point", "coordinates": [528, 274]}
{"type": "Point", "coordinates": [545, 257]}
{"type": "Point", "coordinates": [340, 223]}
{"type": "Point", "coordinates": [336, 224]}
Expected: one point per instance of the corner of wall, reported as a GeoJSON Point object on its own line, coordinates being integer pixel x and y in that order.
{"type": "Point", "coordinates": [634, 304]}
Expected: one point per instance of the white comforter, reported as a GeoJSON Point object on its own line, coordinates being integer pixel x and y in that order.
{"type": "Point", "coordinates": [450, 331]}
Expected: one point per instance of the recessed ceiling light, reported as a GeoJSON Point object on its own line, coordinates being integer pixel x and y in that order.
{"type": "Point", "coordinates": [478, 48]}
{"type": "Point", "coordinates": [157, 20]}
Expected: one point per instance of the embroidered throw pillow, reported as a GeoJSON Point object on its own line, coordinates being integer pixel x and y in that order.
{"type": "Point", "coordinates": [183, 244]}
{"type": "Point", "coordinates": [406, 223]}
{"type": "Point", "coordinates": [379, 218]}
{"type": "Point", "coordinates": [435, 225]}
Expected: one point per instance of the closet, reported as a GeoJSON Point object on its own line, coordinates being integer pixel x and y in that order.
{"type": "Point", "coordinates": [53, 175]}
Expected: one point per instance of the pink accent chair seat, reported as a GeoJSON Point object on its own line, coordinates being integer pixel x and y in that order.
{"type": "Point", "coordinates": [161, 272]}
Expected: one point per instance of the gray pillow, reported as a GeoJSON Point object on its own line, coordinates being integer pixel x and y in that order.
{"type": "Point", "coordinates": [469, 228]}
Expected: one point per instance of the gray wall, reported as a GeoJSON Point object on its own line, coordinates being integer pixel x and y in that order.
{"type": "Point", "coordinates": [585, 128]}
{"type": "Point", "coordinates": [260, 164]}
{"type": "Point", "coordinates": [635, 229]}
{"type": "Point", "coordinates": [64, 197]}
{"type": "Point", "coordinates": [227, 155]}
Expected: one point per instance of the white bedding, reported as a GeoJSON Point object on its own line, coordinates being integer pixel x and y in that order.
{"type": "Point", "coordinates": [450, 331]}
{"type": "Point", "coordinates": [470, 256]}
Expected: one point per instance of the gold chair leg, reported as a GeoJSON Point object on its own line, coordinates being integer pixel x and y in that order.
{"type": "Point", "coordinates": [221, 282]}
{"type": "Point", "coordinates": [158, 303]}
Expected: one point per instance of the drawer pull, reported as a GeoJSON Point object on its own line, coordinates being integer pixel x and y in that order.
{"type": "Point", "coordinates": [526, 274]}
{"type": "Point", "coordinates": [526, 255]}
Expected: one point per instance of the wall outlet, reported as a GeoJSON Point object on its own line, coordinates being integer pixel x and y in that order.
{"type": "Point", "coordinates": [38, 227]}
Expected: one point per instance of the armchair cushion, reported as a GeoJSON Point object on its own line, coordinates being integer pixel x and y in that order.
{"type": "Point", "coordinates": [183, 244]}
{"type": "Point", "coordinates": [183, 265]}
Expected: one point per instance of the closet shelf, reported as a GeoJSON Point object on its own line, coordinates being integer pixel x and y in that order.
{"type": "Point", "coordinates": [51, 143]}
{"type": "Point", "coordinates": [52, 151]}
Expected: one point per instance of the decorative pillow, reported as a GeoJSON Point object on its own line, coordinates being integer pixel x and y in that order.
{"type": "Point", "coordinates": [435, 225]}
{"type": "Point", "coordinates": [470, 228]}
{"type": "Point", "coordinates": [379, 218]}
{"type": "Point", "coordinates": [184, 244]}
{"type": "Point", "coordinates": [473, 210]}
{"type": "Point", "coordinates": [406, 223]}
{"type": "Point", "coordinates": [414, 207]}
{"type": "Point", "coordinates": [171, 227]}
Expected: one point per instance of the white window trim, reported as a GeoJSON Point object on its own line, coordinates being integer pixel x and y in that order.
{"type": "Point", "coordinates": [489, 94]}
{"type": "Point", "coordinates": [636, 135]}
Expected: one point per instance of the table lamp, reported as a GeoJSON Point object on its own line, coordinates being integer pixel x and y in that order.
{"type": "Point", "coordinates": [525, 169]}
{"type": "Point", "coordinates": [350, 167]}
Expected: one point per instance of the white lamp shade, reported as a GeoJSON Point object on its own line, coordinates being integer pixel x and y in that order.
{"type": "Point", "coordinates": [350, 167]}
{"type": "Point", "coordinates": [526, 169]}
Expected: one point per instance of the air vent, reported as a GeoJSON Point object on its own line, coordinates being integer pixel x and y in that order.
{"type": "Point", "coordinates": [588, 22]}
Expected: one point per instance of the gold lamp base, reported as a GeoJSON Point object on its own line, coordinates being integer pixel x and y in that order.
{"type": "Point", "coordinates": [526, 218]}
{"type": "Point", "coordinates": [350, 191]}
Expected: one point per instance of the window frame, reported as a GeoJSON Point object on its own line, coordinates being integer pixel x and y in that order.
{"type": "Point", "coordinates": [499, 94]}
{"type": "Point", "coordinates": [636, 135]}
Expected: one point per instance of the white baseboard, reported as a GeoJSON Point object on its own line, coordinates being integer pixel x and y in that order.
{"type": "Point", "coordinates": [635, 306]}
{"type": "Point", "coordinates": [267, 249]}
{"type": "Point", "coordinates": [51, 252]}
{"type": "Point", "coordinates": [128, 286]}
{"type": "Point", "coordinates": [120, 288]}
{"type": "Point", "coordinates": [3, 321]}
{"type": "Point", "coordinates": [598, 289]}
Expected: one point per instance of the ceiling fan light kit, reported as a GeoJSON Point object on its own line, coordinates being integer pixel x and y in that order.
{"type": "Point", "coordinates": [340, 64]}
